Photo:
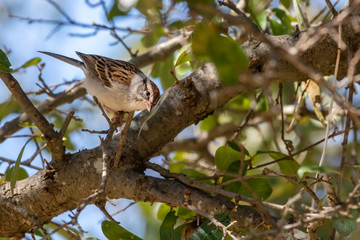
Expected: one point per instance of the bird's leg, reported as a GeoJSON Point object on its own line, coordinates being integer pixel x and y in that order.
{"type": "Point", "coordinates": [119, 115]}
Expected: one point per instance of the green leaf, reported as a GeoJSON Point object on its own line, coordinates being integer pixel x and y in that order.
{"type": "Point", "coordinates": [10, 106]}
{"type": "Point", "coordinates": [118, 9]}
{"type": "Point", "coordinates": [21, 175]}
{"type": "Point", "coordinates": [200, 7]}
{"type": "Point", "coordinates": [200, 41]}
{"type": "Point", "coordinates": [345, 225]}
{"type": "Point", "coordinates": [4, 63]}
{"type": "Point", "coordinates": [274, 155]}
{"type": "Point", "coordinates": [182, 61]}
{"type": "Point", "coordinates": [181, 24]}
{"type": "Point", "coordinates": [261, 20]}
{"type": "Point", "coordinates": [184, 213]}
{"type": "Point", "coordinates": [208, 231]}
{"type": "Point", "coordinates": [301, 20]}
{"type": "Point", "coordinates": [257, 13]}
{"type": "Point", "coordinates": [234, 168]}
{"type": "Point", "coordinates": [31, 62]}
{"type": "Point", "coordinates": [285, 3]}
{"type": "Point", "coordinates": [282, 27]}
{"type": "Point", "coordinates": [39, 233]}
{"type": "Point", "coordinates": [151, 38]}
{"type": "Point", "coordinates": [178, 167]}
{"type": "Point", "coordinates": [289, 167]}
{"type": "Point", "coordinates": [163, 210]}
{"type": "Point", "coordinates": [15, 172]}
{"type": "Point", "coordinates": [263, 105]}
{"type": "Point", "coordinates": [286, 166]}
{"type": "Point", "coordinates": [151, 9]}
{"type": "Point", "coordinates": [183, 70]}
{"type": "Point", "coordinates": [236, 147]}
{"type": "Point", "coordinates": [167, 231]}
{"type": "Point", "coordinates": [224, 156]}
{"type": "Point", "coordinates": [233, 187]}
{"type": "Point", "coordinates": [315, 169]}
{"type": "Point", "coordinates": [277, 28]}
{"type": "Point", "coordinates": [229, 59]}
{"type": "Point", "coordinates": [113, 231]}
{"type": "Point", "coordinates": [259, 185]}
{"type": "Point", "coordinates": [208, 123]}
{"type": "Point", "coordinates": [191, 173]}
{"type": "Point", "coordinates": [64, 233]}
{"type": "Point", "coordinates": [241, 102]}
{"type": "Point", "coordinates": [162, 70]}
{"type": "Point", "coordinates": [183, 56]}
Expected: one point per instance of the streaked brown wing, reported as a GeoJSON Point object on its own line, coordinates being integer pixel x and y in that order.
{"type": "Point", "coordinates": [108, 70]}
{"type": "Point", "coordinates": [121, 71]}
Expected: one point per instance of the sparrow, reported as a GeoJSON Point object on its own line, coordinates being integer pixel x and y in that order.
{"type": "Point", "coordinates": [118, 85]}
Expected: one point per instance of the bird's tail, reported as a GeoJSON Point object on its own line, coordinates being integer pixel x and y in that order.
{"type": "Point", "coordinates": [69, 60]}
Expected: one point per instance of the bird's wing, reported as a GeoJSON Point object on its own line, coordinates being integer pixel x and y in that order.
{"type": "Point", "coordinates": [108, 70]}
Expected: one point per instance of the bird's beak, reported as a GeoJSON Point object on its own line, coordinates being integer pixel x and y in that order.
{"type": "Point", "coordinates": [148, 106]}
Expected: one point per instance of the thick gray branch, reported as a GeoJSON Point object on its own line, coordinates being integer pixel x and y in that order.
{"type": "Point", "coordinates": [54, 191]}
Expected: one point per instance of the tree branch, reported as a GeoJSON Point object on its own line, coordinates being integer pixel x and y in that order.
{"type": "Point", "coordinates": [81, 172]}
{"type": "Point", "coordinates": [53, 138]}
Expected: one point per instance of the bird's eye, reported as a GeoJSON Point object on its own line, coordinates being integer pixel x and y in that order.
{"type": "Point", "coordinates": [147, 93]}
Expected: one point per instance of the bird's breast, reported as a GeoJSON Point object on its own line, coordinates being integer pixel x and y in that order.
{"type": "Point", "coordinates": [117, 97]}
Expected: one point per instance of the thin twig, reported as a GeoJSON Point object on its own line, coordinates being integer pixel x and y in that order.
{"type": "Point", "coordinates": [288, 144]}
{"type": "Point", "coordinates": [209, 188]}
{"type": "Point", "coordinates": [300, 151]}
{"type": "Point", "coordinates": [113, 33]}
{"type": "Point", "coordinates": [38, 152]}
{"type": "Point", "coordinates": [247, 117]}
{"type": "Point", "coordinates": [59, 228]}
{"type": "Point", "coordinates": [66, 124]}
{"type": "Point", "coordinates": [21, 163]}
{"type": "Point", "coordinates": [60, 10]}
{"type": "Point", "coordinates": [122, 139]}
{"type": "Point", "coordinates": [102, 110]}
{"type": "Point", "coordinates": [123, 209]}
{"type": "Point", "coordinates": [296, 180]}
{"type": "Point", "coordinates": [213, 220]}
{"type": "Point", "coordinates": [351, 71]}
{"type": "Point", "coordinates": [331, 7]}
{"type": "Point", "coordinates": [45, 87]}
{"type": "Point", "coordinates": [22, 136]}
{"type": "Point", "coordinates": [95, 131]}
{"type": "Point", "coordinates": [297, 109]}
{"type": "Point", "coordinates": [329, 122]}
{"type": "Point", "coordinates": [107, 214]}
